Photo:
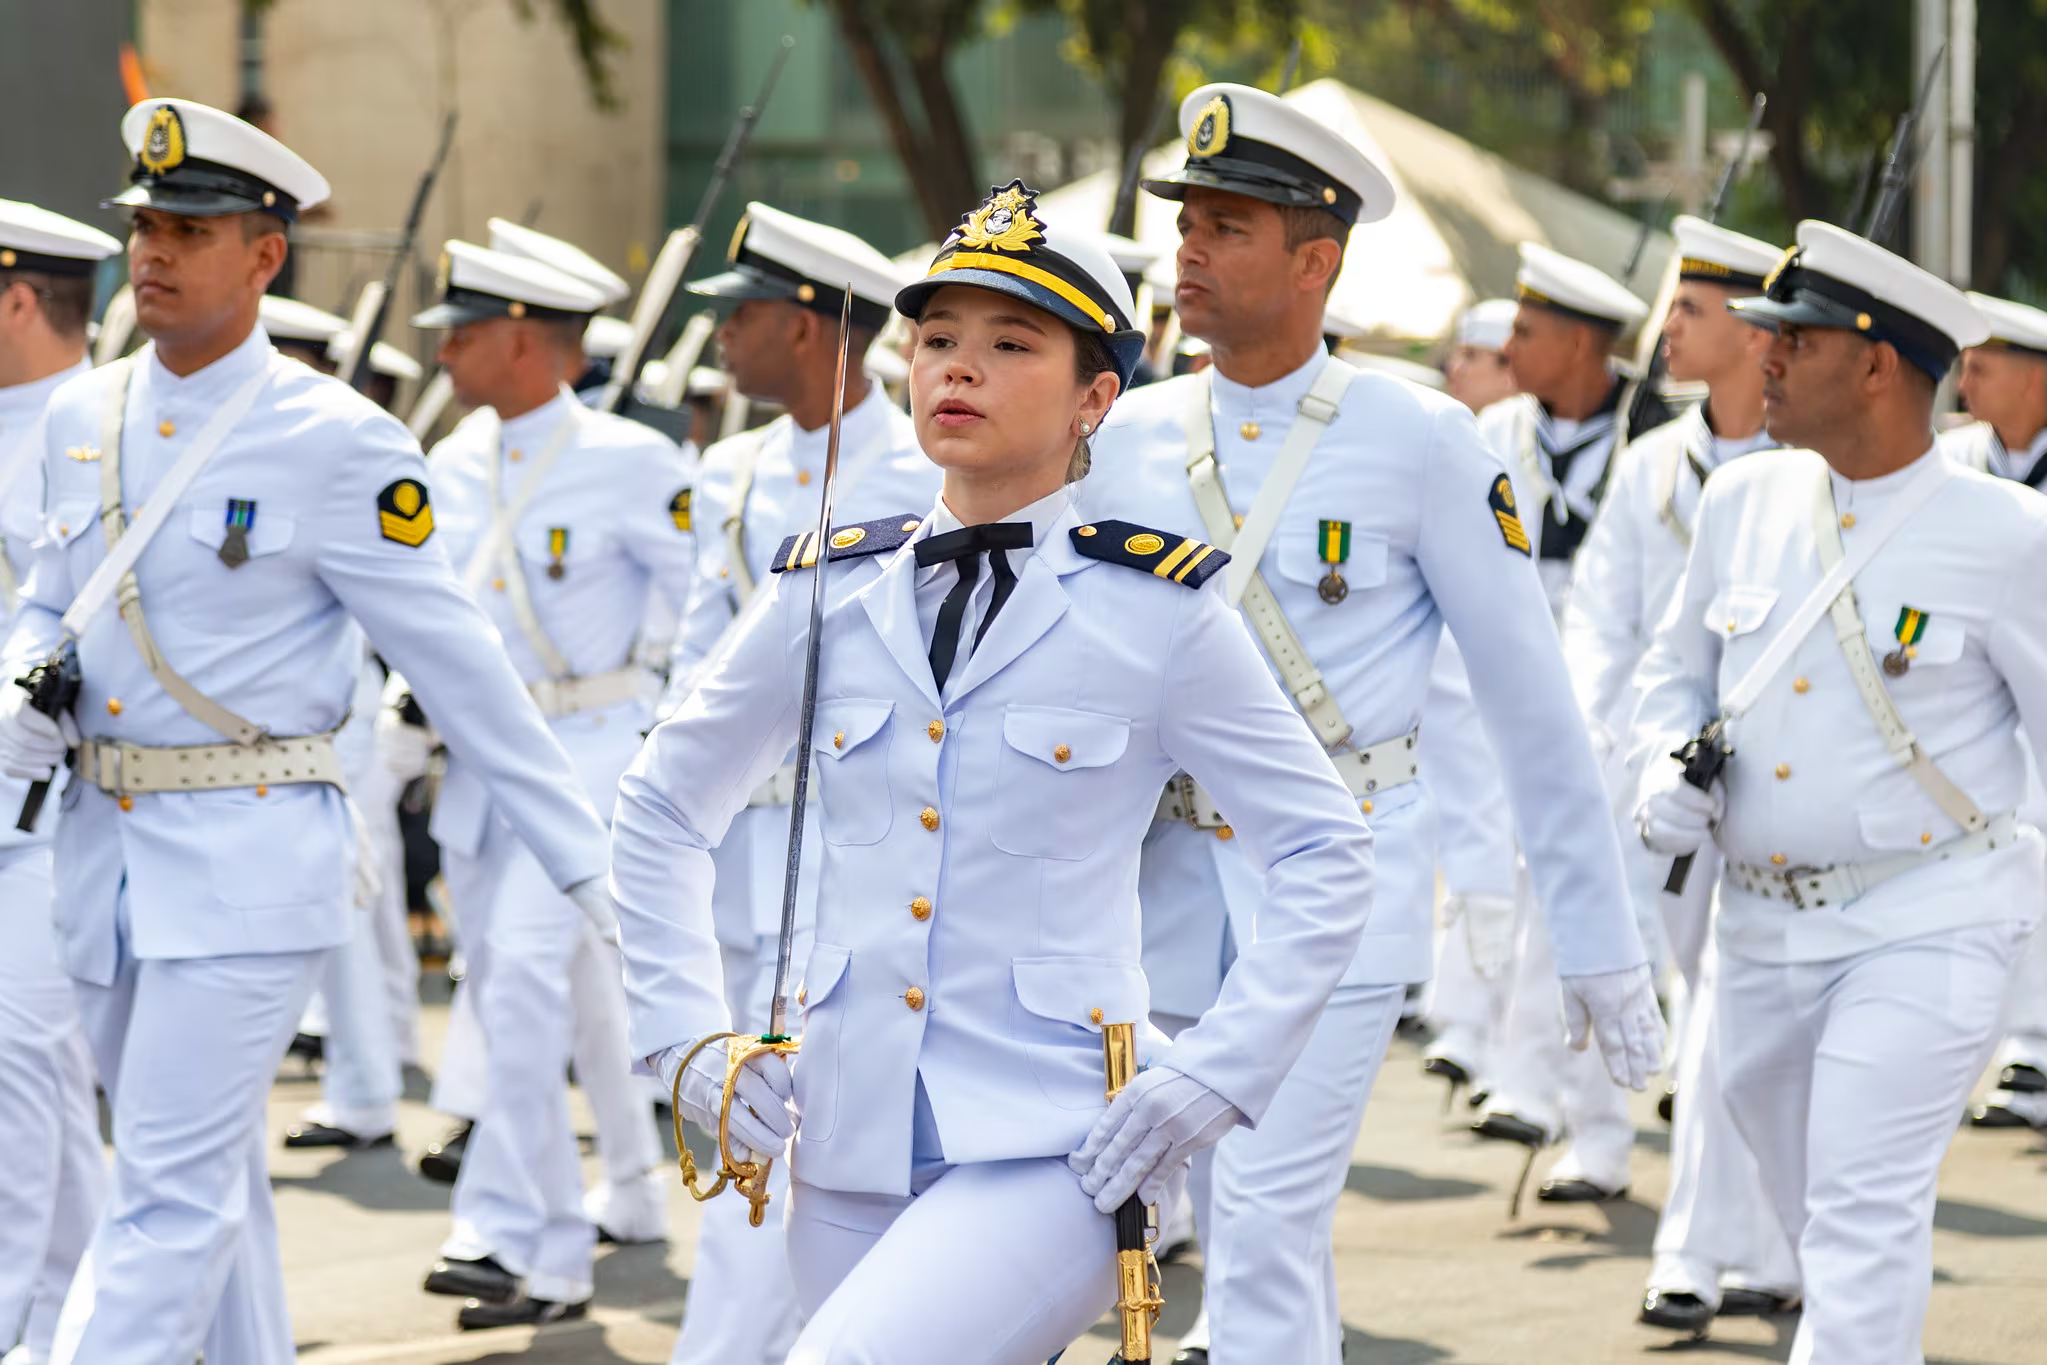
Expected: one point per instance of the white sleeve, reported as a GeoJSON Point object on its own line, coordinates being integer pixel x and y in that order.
{"type": "Point", "coordinates": [1602, 625]}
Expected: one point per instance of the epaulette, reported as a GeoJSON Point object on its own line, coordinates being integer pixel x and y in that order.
{"type": "Point", "coordinates": [848, 542]}
{"type": "Point", "coordinates": [1163, 555]}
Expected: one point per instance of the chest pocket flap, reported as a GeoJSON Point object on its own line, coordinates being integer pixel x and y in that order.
{"type": "Point", "coordinates": [1086, 992]}
{"type": "Point", "coordinates": [268, 533]}
{"type": "Point", "coordinates": [1941, 638]}
{"type": "Point", "coordinates": [69, 520]}
{"type": "Point", "coordinates": [1739, 609]}
{"type": "Point", "coordinates": [1063, 740]}
{"type": "Point", "coordinates": [844, 725]}
{"type": "Point", "coordinates": [1299, 553]}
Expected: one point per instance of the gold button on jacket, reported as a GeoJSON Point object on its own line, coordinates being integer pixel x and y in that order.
{"type": "Point", "coordinates": [920, 908]}
{"type": "Point", "coordinates": [929, 817]}
{"type": "Point", "coordinates": [914, 998]}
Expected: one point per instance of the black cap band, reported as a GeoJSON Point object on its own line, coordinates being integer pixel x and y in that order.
{"type": "Point", "coordinates": [1712, 272]}
{"type": "Point", "coordinates": [204, 189]}
{"type": "Point", "coordinates": [1535, 297]}
{"type": "Point", "coordinates": [1261, 170]}
{"type": "Point", "coordinates": [458, 306]}
{"type": "Point", "coordinates": [1858, 310]}
{"type": "Point", "coordinates": [15, 258]}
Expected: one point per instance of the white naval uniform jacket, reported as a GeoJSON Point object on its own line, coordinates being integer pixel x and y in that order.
{"type": "Point", "coordinates": [1407, 469]}
{"type": "Point", "coordinates": [1972, 559]}
{"type": "Point", "coordinates": [1016, 807]}
{"type": "Point", "coordinates": [881, 471]}
{"type": "Point", "coordinates": [1626, 572]}
{"type": "Point", "coordinates": [21, 526]}
{"type": "Point", "coordinates": [619, 491]}
{"type": "Point", "coordinates": [1977, 446]}
{"type": "Point", "coordinates": [276, 640]}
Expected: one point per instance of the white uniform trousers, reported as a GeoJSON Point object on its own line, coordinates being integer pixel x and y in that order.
{"type": "Point", "coordinates": [1846, 1077]}
{"type": "Point", "coordinates": [1463, 1010]}
{"type": "Point", "coordinates": [520, 1194]}
{"type": "Point", "coordinates": [1536, 1076]}
{"type": "Point", "coordinates": [185, 1256]}
{"type": "Point", "coordinates": [460, 1082]}
{"type": "Point", "coordinates": [2025, 1015]}
{"type": "Point", "coordinates": [994, 1263]}
{"type": "Point", "coordinates": [49, 1121]}
{"type": "Point", "coordinates": [742, 1303]}
{"type": "Point", "coordinates": [1270, 1278]}
{"type": "Point", "coordinates": [1716, 1229]}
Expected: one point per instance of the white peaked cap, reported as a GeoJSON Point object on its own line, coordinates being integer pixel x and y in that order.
{"type": "Point", "coordinates": [1714, 255]}
{"type": "Point", "coordinates": [295, 321]}
{"type": "Point", "coordinates": [2013, 325]}
{"type": "Point", "coordinates": [1248, 142]}
{"type": "Point", "coordinates": [606, 337]}
{"type": "Point", "coordinates": [478, 283]}
{"type": "Point", "coordinates": [193, 159]}
{"type": "Point", "coordinates": [1487, 324]}
{"type": "Point", "coordinates": [33, 238]}
{"type": "Point", "coordinates": [1551, 279]}
{"type": "Point", "coordinates": [776, 255]}
{"type": "Point", "coordinates": [516, 239]}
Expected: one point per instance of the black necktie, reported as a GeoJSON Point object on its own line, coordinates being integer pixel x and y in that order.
{"type": "Point", "coordinates": [964, 548]}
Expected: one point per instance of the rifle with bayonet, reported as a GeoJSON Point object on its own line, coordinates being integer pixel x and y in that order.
{"type": "Point", "coordinates": [1643, 405]}
{"type": "Point", "coordinates": [52, 688]}
{"type": "Point", "coordinates": [373, 309]}
{"type": "Point", "coordinates": [750, 1178]}
{"type": "Point", "coordinates": [1902, 161]}
{"type": "Point", "coordinates": [1703, 756]}
{"type": "Point", "coordinates": [657, 296]}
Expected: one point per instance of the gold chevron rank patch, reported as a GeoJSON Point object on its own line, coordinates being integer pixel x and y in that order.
{"type": "Point", "coordinates": [1501, 499]}
{"type": "Point", "coordinates": [404, 514]}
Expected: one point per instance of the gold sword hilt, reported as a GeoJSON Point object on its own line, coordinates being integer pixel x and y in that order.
{"type": "Point", "coordinates": [1139, 1296]}
{"type": "Point", "coordinates": [750, 1178]}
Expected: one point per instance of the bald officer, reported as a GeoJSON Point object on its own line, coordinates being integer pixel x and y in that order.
{"type": "Point", "coordinates": [782, 288]}
{"type": "Point", "coordinates": [204, 852]}
{"type": "Point", "coordinates": [2004, 386]}
{"type": "Point", "coordinates": [49, 1123]}
{"type": "Point", "coordinates": [1860, 613]}
{"type": "Point", "coordinates": [1373, 514]}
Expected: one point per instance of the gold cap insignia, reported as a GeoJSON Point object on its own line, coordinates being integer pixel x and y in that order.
{"type": "Point", "coordinates": [1144, 544]}
{"type": "Point", "coordinates": [1784, 263]}
{"type": "Point", "coordinates": [1211, 132]}
{"type": "Point", "coordinates": [848, 538]}
{"type": "Point", "coordinates": [1006, 222]}
{"type": "Point", "coordinates": [443, 273]}
{"type": "Point", "coordinates": [738, 236]}
{"type": "Point", "coordinates": [163, 142]}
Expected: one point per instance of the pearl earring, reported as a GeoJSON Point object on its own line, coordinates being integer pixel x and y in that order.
{"type": "Point", "coordinates": [1085, 428]}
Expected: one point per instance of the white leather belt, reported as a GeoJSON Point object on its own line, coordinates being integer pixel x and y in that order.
{"type": "Point", "coordinates": [125, 769]}
{"type": "Point", "coordinates": [779, 790]}
{"type": "Point", "coordinates": [569, 696]}
{"type": "Point", "coordinates": [1816, 888]}
{"type": "Point", "coordinates": [1376, 768]}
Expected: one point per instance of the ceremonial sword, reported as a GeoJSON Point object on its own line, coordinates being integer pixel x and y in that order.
{"type": "Point", "coordinates": [750, 1178]}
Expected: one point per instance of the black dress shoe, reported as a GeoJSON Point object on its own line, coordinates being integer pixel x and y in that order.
{"type": "Point", "coordinates": [1477, 1099]}
{"type": "Point", "coordinates": [1996, 1116]}
{"type": "Point", "coordinates": [1193, 1355]}
{"type": "Point", "coordinates": [1577, 1192]}
{"type": "Point", "coordinates": [311, 1134]}
{"type": "Point", "coordinates": [1754, 1303]}
{"type": "Point", "coordinates": [1666, 1106]}
{"type": "Point", "coordinates": [307, 1047]}
{"type": "Point", "coordinates": [520, 1312]}
{"type": "Point", "coordinates": [1680, 1312]}
{"type": "Point", "coordinates": [2022, 1077]}
{"type": "Point", "coordinates": [443, 1160]}
{"type": "Point", "coordinates": [482, 1278]}
{"type": "Point", "coordinates": [1447, 1069]}
{"type": "Point", "coordinates": [1508, 1128]}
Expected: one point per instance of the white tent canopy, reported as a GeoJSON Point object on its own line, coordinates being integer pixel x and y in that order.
{"type": "Point", "coordinates": [1452, 238]}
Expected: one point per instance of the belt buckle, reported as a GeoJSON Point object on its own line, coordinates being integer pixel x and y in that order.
{"type": "Point", "coordinates": [1790, 876]}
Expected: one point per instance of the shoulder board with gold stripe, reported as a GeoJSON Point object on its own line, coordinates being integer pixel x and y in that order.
{"type": "Point", "coordinates": [1159, 553]}
{"type": "Point", "coordinates": [848, 542]}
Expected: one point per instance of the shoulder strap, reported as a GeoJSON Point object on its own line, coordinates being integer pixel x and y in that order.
{"type": "Point", "coordinates": [125, 546]}
{"type": "Point", "coordinates": [1316, 410]}
{"type": "Point", "coordinates": [749, 452]}
{"type": "Point", "coordinates": [1854, 640]}
{"type": "Point", "coordinates": [1282, 644]}
{"type": "Point", "coordinates": [1666, 510]}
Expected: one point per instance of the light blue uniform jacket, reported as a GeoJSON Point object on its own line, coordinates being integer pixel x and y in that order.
{"type": "Point", "coordinates": [1033, 939]}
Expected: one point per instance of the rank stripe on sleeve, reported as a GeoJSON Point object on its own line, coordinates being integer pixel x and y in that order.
{"type": "Point", "coordinates": [404, 513]}
{"type": "Point", "coordinates": [1501, 500]}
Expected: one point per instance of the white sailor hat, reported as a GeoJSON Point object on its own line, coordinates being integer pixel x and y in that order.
{"type": "Point", "coordinates": [478, 283]}
{"type": "Point", "coordinates": [1251, 143]}
{"type": "Point", "coordinates": [34, 238]}
{"type": "Point", "coordinates": [606, 337]}
{"type": "Point", "coordinates": [1833, 278]}
{"type": "Point", "coordinates": [1487, 324]}
{"type": "Point", "coordinates": [2013, 326]}
{"type": "Point", "coordinates": [1132, 257]}
{"type": "Point", "coordinates": [290, 320]}
{"type": "Point", "coordinates": [194, 160]}
{"type": "Point", "coordinates": [516, 239]}
{"type": "Point", "coordinates": [1005, 246]}
{"type": "Point", "coordinates": [1549, 279]}
{"type": "Point", "coordinates": [1713, 255]}
{"type": "Point", "coordinates": [1337, 322]}
{"type": "Point", "coordinates": [776, 255]}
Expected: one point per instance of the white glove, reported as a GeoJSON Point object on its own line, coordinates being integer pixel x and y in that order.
{"type": "Point", "coordinates": [404, 749]}
{"type": "Point", "coordinates": [1489, 923]}
{"type": "Point", "coordinates": [32, 745]}
{"type": "Point", "coordinates": [1152, 1130]}
{"type": "Point", "coordinates": [593, 898]}
{"type": "Point", "coordinates": [1620, 1009]}
{"type": "Point", "coordinates": [1680, 818]}
{"type": "Point", "coordinates": [762, 1117]}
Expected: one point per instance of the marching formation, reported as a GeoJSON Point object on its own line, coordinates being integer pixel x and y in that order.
{"type": "Point", "coordinates": [1012, 797]}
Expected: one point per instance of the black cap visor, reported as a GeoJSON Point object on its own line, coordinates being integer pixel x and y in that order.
{"type": "Point", "coordinates": [204, 189]}
{"type": "Point", "coordinates": [1259, 170]}
{"type": "Point", "coordinates": [755, 277]}
{"type": "Point", "coordinates": [1126, 345]}
{"type": "Point", "coordinates": [19, 258]}
{"type": "Point", "coordinates": [1805, 298]}
{"type": "Point", "coordinates": [458, 306]}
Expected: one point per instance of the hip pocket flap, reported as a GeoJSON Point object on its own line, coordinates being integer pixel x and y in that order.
{"type": "Point", "coordinates": [822, 975]}
{"type": "Point", "coordinates": [1084, 991]}
{"type": "Point", "coordinates": [1739, 610]}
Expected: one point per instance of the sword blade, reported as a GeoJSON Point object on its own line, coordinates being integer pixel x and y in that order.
{"type": "Point", "coordinates": [778, 1011]}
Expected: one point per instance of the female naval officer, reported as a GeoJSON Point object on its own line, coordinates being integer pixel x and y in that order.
{"type": "Point", "coordinates": [1004, 690]}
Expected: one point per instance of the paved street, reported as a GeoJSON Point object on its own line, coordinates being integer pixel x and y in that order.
{"type": "Point", "coordinates": [1431, 1272]}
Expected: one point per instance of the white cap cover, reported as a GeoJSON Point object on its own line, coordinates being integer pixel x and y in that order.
{"type": "Point", "coordinates": [1550, 279]}
{"type": "Point", "coordinates": [516, 239]}
{"type": "Point", "coordinates": [33, 238]}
